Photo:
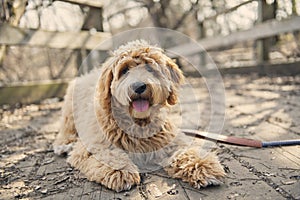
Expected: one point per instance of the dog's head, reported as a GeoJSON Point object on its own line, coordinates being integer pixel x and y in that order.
{"type": "Point", "coordinates": [140, 77]}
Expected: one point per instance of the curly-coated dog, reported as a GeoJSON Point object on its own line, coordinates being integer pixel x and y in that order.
{"type": "Point", "coordinates": [115, 122]}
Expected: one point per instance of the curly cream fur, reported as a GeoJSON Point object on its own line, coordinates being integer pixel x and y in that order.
{"type": "Point", "coordinates": [111, 140]}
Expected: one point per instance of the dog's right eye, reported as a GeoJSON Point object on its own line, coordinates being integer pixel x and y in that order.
{"type": "Point", "coordinates": [124, 71]}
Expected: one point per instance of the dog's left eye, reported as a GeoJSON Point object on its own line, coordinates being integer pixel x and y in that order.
{"type": "Point", "coordinates": [124, 71]}
{"type": "Point", "coordinates": [149, 68]}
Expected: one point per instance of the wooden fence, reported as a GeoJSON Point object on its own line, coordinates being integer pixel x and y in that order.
{"type": "Point", "coordinates": [10, 35]}
{"type": "Point", "coordinates": [260, 31]}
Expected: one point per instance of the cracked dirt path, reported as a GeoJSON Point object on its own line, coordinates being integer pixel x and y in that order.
{"type": "Point", "coordinates": [256, 107]}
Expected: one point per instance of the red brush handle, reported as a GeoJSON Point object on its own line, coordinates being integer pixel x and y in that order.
{"type": "Point", "coordinates": [224, 138]}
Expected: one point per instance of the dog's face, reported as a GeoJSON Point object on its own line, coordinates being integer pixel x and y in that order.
{"type": "Point", "coordinates": [142, 78]}
{"type": "Point", "coordinates": [140, 84]}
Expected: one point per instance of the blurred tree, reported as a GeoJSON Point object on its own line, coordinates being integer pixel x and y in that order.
{"type": "Point", "coordinates": [5, 10]}
{"type": "Point", "coordinates": [294, 7]}
{"type": "Point", "coordinates": [172, 14]}
{"type": "Point", "coordinates": [12, 11]}
{"type": "Point", "coordinates": [192, 17]}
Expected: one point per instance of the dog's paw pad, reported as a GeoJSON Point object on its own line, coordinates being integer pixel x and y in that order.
{"type": "Point", "coordinates": [62, 149]}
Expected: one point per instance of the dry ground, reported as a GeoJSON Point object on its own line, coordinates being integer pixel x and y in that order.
{"type": "Point", "coordinates": [256, 107]}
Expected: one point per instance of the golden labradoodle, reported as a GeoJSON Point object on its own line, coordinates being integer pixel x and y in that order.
{"type": "Point", "coordinates": [115, 122]}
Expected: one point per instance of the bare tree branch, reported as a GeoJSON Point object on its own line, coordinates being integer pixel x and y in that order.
{"type": "Point", "coordinates": [125, 10]}
{"type": "Point", "coordinates": [90, 3]}
{"type": "Point", "coordinates": [227, 10]}
{"type": "Point", "coordinates": [158, 13]}
{"type": "Point", "coordinates": [6, 11]}
{"type": "Point", "coordinates": [184, 16]}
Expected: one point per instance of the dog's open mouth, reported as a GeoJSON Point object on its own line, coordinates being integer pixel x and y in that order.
{"type": "Point", "coordinates": [140, 105]}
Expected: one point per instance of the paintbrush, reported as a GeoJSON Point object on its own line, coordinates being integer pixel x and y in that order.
{"type": "Point", "coordinates": [239, 141]}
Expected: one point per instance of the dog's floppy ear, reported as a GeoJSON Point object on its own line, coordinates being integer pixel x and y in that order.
{"type": "Point", "coordinates": [104, 86]}
{"type": "Point", "coordinates": [177, 78]}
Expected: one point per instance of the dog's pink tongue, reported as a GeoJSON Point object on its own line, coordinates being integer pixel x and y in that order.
{"type": "Point", "coordinates": [140, 105]}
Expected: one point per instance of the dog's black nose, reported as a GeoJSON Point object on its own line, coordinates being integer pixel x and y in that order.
{"type": "Point", "coordinates": [139, 87]}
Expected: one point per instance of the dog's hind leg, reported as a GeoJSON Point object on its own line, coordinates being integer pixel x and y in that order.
{"type": "Point", "coordinates": [67, 134]}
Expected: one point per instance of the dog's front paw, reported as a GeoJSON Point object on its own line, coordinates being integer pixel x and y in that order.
{"type": "Point", "coordinates": [120, 180]}
{"type": "Point", "coordinates": [198, 172]}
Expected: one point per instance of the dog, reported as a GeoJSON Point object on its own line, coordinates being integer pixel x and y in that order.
{"type": "Point", "coordinates": [115, 122]}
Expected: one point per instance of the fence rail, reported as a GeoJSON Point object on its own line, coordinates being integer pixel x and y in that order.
{"type": "Point", "coordinates": [91, 3]}
{"type": "Point", "coordinates": [10, 35]}
{"type": "Point", "coordinates": [260, 31]}
{"type": "Point", "coordinates": [32, 92]}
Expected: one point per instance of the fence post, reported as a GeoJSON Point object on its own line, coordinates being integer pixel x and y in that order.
{"type": "Point", "coordinates": [93, 20]}
{"type": "Point", "coordinates": [265, 12]}
{"type": "Point", "coordinates": [202, 36]}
